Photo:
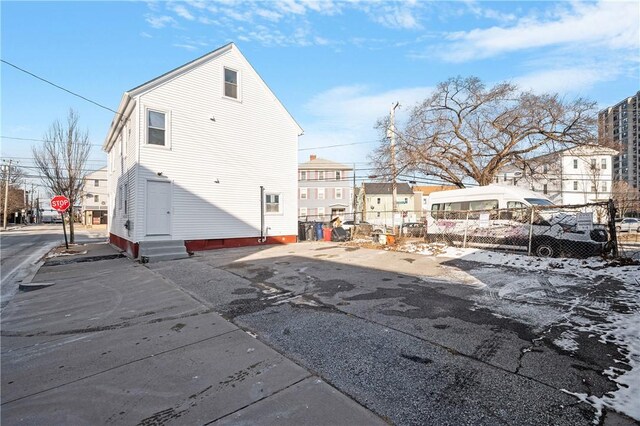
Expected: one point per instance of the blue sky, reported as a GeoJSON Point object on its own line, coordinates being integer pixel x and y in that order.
{"type": "Point", "coordinates": [336, 66]}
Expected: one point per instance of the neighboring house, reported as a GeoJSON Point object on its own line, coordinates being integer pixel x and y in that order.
{"type": "Point", "coordinates": [377, 205]}
{"type": "Point", "coordinates": [578, 175]}
{"type": "Point", "coordinates": [95, 198]}
{"type": "Point", "coordinates": [205, 154]}
{"type": "Point", "coordinates": [324, 190]}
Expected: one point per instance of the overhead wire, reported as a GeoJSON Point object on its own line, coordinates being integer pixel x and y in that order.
{"type": "Point", "coordinates": [58, 86]}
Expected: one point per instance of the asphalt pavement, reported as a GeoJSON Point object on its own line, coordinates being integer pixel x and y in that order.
{"type": "Point", "coordinates": [114, 342]}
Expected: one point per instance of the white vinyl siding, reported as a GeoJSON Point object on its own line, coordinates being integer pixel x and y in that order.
{"type": "Point", "coordinates": [213, 195]}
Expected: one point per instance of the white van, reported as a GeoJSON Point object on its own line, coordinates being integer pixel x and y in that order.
{"type": "Point", "coordinates": [485, 198]}
{"type": "Point", "coordinates": [500, 217]}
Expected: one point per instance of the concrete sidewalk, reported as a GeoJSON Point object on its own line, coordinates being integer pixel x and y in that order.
{"type": "Point", "coordinates": [114, 342]}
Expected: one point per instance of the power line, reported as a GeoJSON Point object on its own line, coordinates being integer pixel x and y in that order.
{"type": "Point", "coordinates": [335, 146]}
{"type": "Point", "coordinates": [38, 140]}
{"type": "Point", "coordinates": [58, 86]}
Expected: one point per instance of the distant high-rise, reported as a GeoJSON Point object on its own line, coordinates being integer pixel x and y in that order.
{"type": "Point", "coordinates": [620, 124]}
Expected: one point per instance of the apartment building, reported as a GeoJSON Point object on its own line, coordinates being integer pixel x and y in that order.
{"type": "Point", "coordinates": [325, 189]}
{"type": "Point", "coordinates": [618, 125]}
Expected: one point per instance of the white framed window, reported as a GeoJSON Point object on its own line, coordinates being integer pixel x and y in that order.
{"type": "Point", "coordinates": [272, 203]}
{"type": "Point", "coordinates": [320, 193]}
{"type": "Point", "coordinates": [96, 198]}
{"type": "Point", "coordinates": [338, 175]}
{"type": "Point", "coordinates": [320, 175]}
{"type": "Point", "coordinates": [303, 193]}
{"type": "Point", "coordinates": [604, 187]}
{"type": "Point", "coordinates": [575, 163]}
{"type": "Point", "coordinates": [156, 128]}
{"type": "Point", "coordinates": [96, 182]}
{"type": "Point", "coordinates": [303, 212]}
{"type": "Point", "coordinates": [338, 193]}
{"type": "Point", "coordinates": [575, 185]}
{"type": "Point", "coordinates": [231, 83]}
{"type": "Point", "coordinates": [320, 212]}
{"type": "Point", "coordinates": [593, 164]}
{"type": "Point", "coordinates": [603, 164]}
{"type": "Point", "coordinates": [303, 175]}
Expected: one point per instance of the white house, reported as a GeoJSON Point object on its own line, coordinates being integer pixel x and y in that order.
{"type": "Point", "coordinates": [95, 198]}
{"type": "Point", "coordinates": [377, 203]}
{"type": "Point", "coordinates": [578, 175]}
{"type": "Point", "coordinates": [204, 154]}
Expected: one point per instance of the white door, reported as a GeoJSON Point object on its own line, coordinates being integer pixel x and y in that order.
{"type": "Point", "coordinates": [158, 208]}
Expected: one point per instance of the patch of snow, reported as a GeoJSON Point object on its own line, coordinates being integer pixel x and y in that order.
{"type": "Point", "coordinates": [567, 342]}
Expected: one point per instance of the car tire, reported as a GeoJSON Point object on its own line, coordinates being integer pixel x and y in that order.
{"type": "Point", "coordinates": [546, 249]}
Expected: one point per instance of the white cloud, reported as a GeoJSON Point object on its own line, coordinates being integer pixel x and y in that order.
{"type": "Point", "coordinates": [396, 16]}
{"type": "Point", "coordinates": [185, 46]}
{"type": "Point", "coordinates": [183, 12]}
{"type": "Point", "coordinates": [145, 35]}
{"type": "Point", "coordinates": [159, 21]}
{"type": "Point", "coordinates": [605, 24]}
{"type": "Point", "coordinates": [563, 80]}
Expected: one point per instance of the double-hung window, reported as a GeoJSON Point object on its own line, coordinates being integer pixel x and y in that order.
{"type": "Point", "coordinates": [303, 193]}
{"type": "Point", "coordinates": [230, 83]}
{"type": "Point", "coordinates": [272, 203]}
{"type": "Point", "coordinates": [320, 193]}
{"type": "Point", "coordinates": [156, 128]}
{"type": "Point", "coordinates": [575, 163]}
{"type": "Point", "coordinates": [338, 193]}
{"type": "Point", "coordinates": [338, 175]}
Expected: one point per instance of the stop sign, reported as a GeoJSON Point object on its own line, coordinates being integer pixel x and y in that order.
{"type": "Point", "coordinates": [60, 203]}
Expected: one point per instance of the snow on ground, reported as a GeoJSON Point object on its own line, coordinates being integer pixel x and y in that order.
{"type": "Point", "coordinates": [560, 293]}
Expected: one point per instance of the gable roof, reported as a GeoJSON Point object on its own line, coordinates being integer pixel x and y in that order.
{"type": "Point", "coordinates": [126, 104]}
{"type": "Point", "coordinates": [387, 188]}
{"type": "Point", "coordinates": [322, 164]}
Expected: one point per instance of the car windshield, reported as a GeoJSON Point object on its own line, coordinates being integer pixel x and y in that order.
{"type": "Point", "coordinates": [539, 202]}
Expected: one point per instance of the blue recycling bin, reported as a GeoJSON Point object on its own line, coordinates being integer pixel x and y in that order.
{"type": "Point", "coordinates": [319, 235]}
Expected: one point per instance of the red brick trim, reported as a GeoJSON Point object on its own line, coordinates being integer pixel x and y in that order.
{"type": "Point", "coordinates": [199, 245]}
{"type": "Point", "coordinates": [129, 247]}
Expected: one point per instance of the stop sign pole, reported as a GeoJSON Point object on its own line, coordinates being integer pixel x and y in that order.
{"type": "Point", "coordinates": [61, 204]}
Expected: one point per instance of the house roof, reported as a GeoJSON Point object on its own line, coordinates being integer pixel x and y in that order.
{"type": "Point", "coordinates": [426, 190]}
{"type": "Point", "coordinates": [387, 188]}
{"type": "Point", "coordinates": [322, 164]}
{"type": "Point", "coordinates": [126, 106]}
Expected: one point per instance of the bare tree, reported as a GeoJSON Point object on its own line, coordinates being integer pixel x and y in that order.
{"type": "Point", "coordinates": [15, 195]}
{"type": "Point", "coordinates": [62, 160]}
{"type": "Point", "coordinates": [626, 198]}
{"type": "Point", "coordinates": [465, 130]}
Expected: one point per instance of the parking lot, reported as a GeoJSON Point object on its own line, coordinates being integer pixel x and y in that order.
{"type": "Point", "coordinates": [436, 336]}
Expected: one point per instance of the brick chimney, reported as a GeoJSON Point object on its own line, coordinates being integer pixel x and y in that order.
{"type": "Point", "coordinates": [312, 157]}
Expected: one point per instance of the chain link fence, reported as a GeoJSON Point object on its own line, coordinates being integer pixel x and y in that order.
{"type": "Point", "coordinates": [577, 231]}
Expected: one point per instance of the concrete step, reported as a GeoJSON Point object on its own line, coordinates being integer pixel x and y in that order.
{"type": "Point", "coordinates": [153, 251]}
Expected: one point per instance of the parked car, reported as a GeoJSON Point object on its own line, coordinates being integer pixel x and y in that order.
{"type": "Point", "coordinates": [628, 224]}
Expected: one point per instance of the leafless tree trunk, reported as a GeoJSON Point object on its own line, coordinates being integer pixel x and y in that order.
{"type": "Point", "coordinates": [465, 131]}
{"type": "Point", "coordinates": [626, 197]}
{"type": "Point", "coordinates": [62, 159]}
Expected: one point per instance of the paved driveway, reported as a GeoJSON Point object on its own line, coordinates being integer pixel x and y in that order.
{"type": "Point", "coordinates": [430, 340]}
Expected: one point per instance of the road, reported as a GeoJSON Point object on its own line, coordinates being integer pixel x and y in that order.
{"type": "Point", "coordinates": [419, 340]}
{"type": "Point", "coordinates": [22, 248]}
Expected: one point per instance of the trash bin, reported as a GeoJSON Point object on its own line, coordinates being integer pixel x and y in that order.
{"type": "Point", "coordinates": [327, 234]}
{"type": "Point", "coordinates": [301, 234]}
{"type": "Point", "coordinates": [319, 235]}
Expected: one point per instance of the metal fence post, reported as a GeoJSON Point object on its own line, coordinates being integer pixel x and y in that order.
{"type": "Point", "coordinates": [531, 230]}
{"type": "Point", "coordinates": [466, 226]}
{"type": "Point", "coordinates": [611, 209]}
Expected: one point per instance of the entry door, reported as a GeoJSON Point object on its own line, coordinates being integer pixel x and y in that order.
{"type": "Point", "coordinates": [158, 208]}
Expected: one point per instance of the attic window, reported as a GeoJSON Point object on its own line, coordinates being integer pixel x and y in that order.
{"type": "Point", "coordinates": [156, 128]}
{"type": "Point", "coordinates": [231, 83]}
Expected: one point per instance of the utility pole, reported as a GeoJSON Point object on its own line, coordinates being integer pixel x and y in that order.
{"type": "Point", "coordinates": [394, 186]}
{"type": "Point", "coordinates": [7, 174]}
{"type": "Point", "coordinates": [355, 196]}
